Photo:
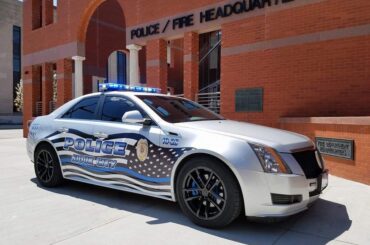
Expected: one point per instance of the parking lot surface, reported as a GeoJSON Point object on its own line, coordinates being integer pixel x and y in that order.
{"type": "Point", "coordinates": [77, 213]}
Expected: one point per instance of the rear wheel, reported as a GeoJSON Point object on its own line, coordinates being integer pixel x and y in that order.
{"type": "Point", "coordinates": [47, 167]}
{"type": "Point", "coordinates": [208, 193]}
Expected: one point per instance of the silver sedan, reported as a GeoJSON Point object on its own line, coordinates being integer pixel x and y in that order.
{"type": "Point", "coordinates": [172, 148]}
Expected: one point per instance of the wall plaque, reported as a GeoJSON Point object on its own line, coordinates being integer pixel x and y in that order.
{"type": "Point", "coordinates": [336, 147]}
{"type": "Point", "coordinates": [249, 100]}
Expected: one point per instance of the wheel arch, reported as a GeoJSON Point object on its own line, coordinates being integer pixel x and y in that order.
{"type": "Point", "coordinates": [45, 142]}
{"type": "Point", "coordinates": [199, 153]}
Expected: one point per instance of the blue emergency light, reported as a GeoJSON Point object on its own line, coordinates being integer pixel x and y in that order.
{"type": "Point", "coordinates": [105, 87]}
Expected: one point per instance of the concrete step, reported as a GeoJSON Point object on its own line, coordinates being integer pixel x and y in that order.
{"type": "Point", "coordinates": [11, 119]}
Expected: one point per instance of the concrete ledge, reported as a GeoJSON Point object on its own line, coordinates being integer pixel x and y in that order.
{"type": "Point", "coordinates": [356, 129]}
{"type": "Point", "coordinates": [327, 120]}
{"type": "Point", "coordinates": [11, 119]}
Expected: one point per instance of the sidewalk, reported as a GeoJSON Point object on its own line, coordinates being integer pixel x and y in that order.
{"type": "Point", "coordinates": [83, 214]}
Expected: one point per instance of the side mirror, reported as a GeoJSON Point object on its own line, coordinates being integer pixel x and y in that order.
{"type": "Point", "coordinates": [135, 117]}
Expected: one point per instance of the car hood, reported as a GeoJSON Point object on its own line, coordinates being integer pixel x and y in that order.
{"type": "Point", "coordinates": [281, 140]}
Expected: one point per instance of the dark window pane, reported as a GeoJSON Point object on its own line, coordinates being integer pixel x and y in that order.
{"type": "Point", "coordinates": [209, 61]}
{"type": "Point", "coordinates": [16, 59]}
{"type": "Point", "coordinates": [121, 68]}
{"type": "Point", "coordinates": [16, 34]}
{"type": "Point", "coordinates": [176, 110]}
{"type": "Point", "coordinates": [85, 109]}
{"type": "Point", "coordinates": [115, 107]}
{"type": "Point", "coordinates": [16, 65]}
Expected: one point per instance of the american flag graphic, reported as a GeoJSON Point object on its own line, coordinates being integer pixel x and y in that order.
{"type": "Point", "coordinates": [151, 176]}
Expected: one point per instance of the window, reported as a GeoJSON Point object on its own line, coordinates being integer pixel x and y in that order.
{"type": "Point", "coordinates": [176, 110]}
{"type": "Point", "coordinates": [84, 109]}
{"type": "Point", "coordinates": [209, 62]}
{"type": "Point", "coordinates": [121, 68]}
{"type": "Point", "coordinates": [16, 59]}
{"type": "Point", "coordinates": [115, 107]}
{"type": "Point", "coordinates": [169, 54]}
{"type": "Point", "coordinates": [55, 11]}
{"type": "Point", "coordinates": [116, 69]}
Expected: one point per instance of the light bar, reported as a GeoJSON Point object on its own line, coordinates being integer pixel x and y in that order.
{"type": "Point", "coordinates": [105, 87]}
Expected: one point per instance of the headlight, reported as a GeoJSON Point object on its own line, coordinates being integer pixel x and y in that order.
{"type": "Point", "coordinates": [270, 160]}
{"type": "Point", "coordinates": [319, 159]}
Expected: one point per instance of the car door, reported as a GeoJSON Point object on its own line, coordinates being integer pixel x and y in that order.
{"type": "Point", "coordinates": [74, 130]}
{"type": "Point", "coordinates": [129, 155]}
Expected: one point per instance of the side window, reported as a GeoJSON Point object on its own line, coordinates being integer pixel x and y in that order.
{"type": "Point", "coordinates": [84, 109]}
{"type": "Point", "coordinates": [115, 107]}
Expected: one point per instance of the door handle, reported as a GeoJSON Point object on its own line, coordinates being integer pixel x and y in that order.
{"type": "Point", "coordinates": [100, 135]}
{"type": "Point", "coordinates": [63, 130]}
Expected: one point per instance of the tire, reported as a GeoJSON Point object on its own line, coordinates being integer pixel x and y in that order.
{"type": "Point", "coordinates": [219, 203]}
{"type": "Point", "coordinates": [47, 167]}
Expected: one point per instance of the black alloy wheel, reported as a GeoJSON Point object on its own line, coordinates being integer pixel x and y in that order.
{"type": "Point", "coordinates": [204, 193]}
{"type": "Point", "coordinates": [208, 193]}
{"type": "Point", "coordinates": [44, 166]}
{"type": "Point", "coordinates": [47, 167]}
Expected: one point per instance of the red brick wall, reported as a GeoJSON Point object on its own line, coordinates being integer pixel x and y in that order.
{"type": "Point", "coordinates": [316, 78]}
{"type": "Point", "coordinates": [31, 93]}
{"type": "Point", "coordinates": [319, 79]}
{"type": "Point", "coordinates": [74, 16]}
{"type": "Point", "coordinates": [47, 87]}
{"type": "Point", "coordinates": [337, 70]}
{"type": "Point", "coordinates": [64, 81]}
{"type": "Point", "coordinates": [357, 169]}
{"type": "Point", "coordinates": [191, 65]}
{"type": "Point", "coordinates": [176, 69]}
{"type": "Point", "coordinates": [156, 64]}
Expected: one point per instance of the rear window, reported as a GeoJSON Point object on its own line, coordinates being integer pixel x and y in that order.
{"type": "Point", "coordinates": [85, 109]}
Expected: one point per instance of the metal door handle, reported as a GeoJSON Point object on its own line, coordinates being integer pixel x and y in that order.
{"type": "Point", "coordinates": [100, 135]}
{"type": "Point", "coordinates": [63, 130]}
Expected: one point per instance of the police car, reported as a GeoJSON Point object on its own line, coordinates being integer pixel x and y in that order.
{"type": "Point", "coordinates": [172, 148]}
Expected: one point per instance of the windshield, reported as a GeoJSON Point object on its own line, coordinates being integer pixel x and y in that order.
{"type": "Point", "coordinates": [175, 110]}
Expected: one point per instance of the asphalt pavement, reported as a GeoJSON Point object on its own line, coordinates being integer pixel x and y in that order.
{"type": "Point", "coordinates": [77, 213]}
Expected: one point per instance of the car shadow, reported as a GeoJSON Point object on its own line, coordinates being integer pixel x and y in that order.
{"type": "Point", "coordinates": [325, 220]}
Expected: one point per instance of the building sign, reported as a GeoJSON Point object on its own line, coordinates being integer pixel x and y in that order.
{"type": "Point", "coordinates": [203, 16]}
{"type": "Point", "coordinates": [336, 147]}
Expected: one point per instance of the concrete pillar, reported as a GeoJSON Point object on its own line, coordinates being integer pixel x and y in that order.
{"type": "Point", "coordinates": [156, 64]}
{"type": "Point", "coordinates": [191, 65]}
{"type": "Point", "coordinates": [134, 64]}
{"type": "Point", "coordinates": [64, 81]}
{"type": "Point", "coordinates": [78, 83]}
{"type": "Point", "coordinates": [47, 87]}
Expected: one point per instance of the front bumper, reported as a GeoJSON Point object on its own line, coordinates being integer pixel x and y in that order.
{"type": "Point", "coordinates": [260, 186]}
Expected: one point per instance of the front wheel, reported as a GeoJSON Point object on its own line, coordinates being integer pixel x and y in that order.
{"type": "Point", "coordinates": [47, 167]}
{"type": "Point", "coordinates": [208, 193]}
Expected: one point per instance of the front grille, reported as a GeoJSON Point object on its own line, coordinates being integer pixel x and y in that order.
{"type": "Point", "coordinates": [308, 162]}
{"type": "Point", "coordinates": [285, 199]}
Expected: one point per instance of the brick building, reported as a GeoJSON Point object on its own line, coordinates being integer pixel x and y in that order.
{"type": "Point", "coordinates": [301, 65]}
{"type": "Point", "coordinates": [10, 56]}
